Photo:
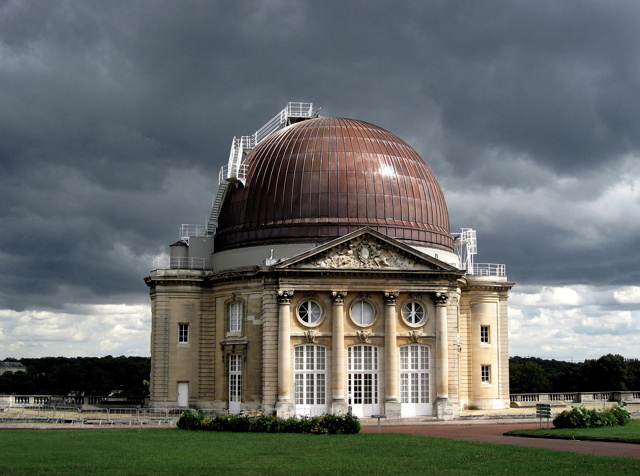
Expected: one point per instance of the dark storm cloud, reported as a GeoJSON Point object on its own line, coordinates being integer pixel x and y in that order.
{"type": "Point", "coordinates": [115, 117]}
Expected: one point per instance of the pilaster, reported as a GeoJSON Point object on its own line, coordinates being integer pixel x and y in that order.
{"type": "Point", "coordinates": [338, 377]}
{"type": "Point", "coordinates": [391, 401]}
{"type": "Point", "coordinates": [284, 406]}
{"type": "Point", "coordinates": [444, 409]}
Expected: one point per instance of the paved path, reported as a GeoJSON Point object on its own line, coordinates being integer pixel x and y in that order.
{"type": "Point", "coordinates": [493, 433]}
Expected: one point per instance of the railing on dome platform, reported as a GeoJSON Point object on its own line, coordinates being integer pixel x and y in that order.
{"type": "Point", "coordinates": [466, 246]}
{"type": "Point", "coordinates": [238, 175]}
{"type": "Point", "coordinates": [488, 269]}
{"type": "Point", "coordinates": [188, 230]}
{"type": "Point", "coordinates": [293, 110]}
{"type": "Point", "coordinates": [165, 262]}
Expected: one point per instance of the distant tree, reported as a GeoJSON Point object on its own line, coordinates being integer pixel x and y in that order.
{"type": "Point", "coordinates": [91, 375]}
{"type": "Point", "coordinates": [609, 372]}
{"type": "Point", "coordinates": [633, 374]}
{"type": "Point", "coordinates": [527, 376]}
{"type": "Point", "coordinates": [16, 382]}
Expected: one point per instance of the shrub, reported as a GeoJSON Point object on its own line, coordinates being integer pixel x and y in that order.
{"type": "Point", "coordinates": [580, 417]}
{"type": "Point", "coordinates": [191, 421]}
{"type": "Point", "coordinates": [322, 425]}
{"type": "Point", "coordinates": [338, 424]}
{"type": "Point", "coordinates": [621, 415]}
{"type": "Point", "coordinates": [267, 424]}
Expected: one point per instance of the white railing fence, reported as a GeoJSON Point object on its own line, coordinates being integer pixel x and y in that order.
{"type": "Point", "coordinates": [165, 262]}
{"type": "Point", "coordinates": [188, 230]}
{"type": "Point", "coordinates": [488, 269]}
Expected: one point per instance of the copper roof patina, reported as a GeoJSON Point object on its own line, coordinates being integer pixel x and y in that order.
{"type": "Point", "coordinates": [323, 178]}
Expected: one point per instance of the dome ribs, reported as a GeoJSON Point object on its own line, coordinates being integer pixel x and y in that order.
{"type": "Point", "coordinates": [324, 177]}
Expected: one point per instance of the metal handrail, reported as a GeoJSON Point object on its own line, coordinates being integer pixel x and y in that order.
{"type": "Point", "coordinates": [165, 262]}
{"type": "Point", "coordinates": [488, 269]}
{"type": "Point", "coordinates": [189, 230]}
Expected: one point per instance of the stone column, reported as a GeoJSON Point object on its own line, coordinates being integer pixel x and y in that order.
{"type": "Point", "coordinates": [391, 401]}
{"type": "Point", "coordinates": [444, 409]}
{"type": "Point", "coordinates": [338, 375]}
{"type": "Point", "coordinates": [284, 406]}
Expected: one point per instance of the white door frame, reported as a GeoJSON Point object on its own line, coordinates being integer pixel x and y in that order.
{"type": "Point", "coordinates": [415, 380]}
{"type": "Point", "coordinates": [364, 379]}
{"type": "Point", "coordinates": [310, 379]}
{"type": "Point", "coordinates": [235, 382]}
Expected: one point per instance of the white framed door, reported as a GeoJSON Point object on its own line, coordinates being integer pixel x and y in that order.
{"type": "Point", "coordinates": [183, 394]}
{"type": "Point", "coordinates": [310, 380]}
{"type": "Point", "coordinates": [235, 383]}
{"type": "Point", "coordinates": [363, 380]}
{"type": "Point", "coordinates": [415, 381]}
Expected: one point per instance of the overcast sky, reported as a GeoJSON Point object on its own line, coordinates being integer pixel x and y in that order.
{"type": "Point", "coordinates": [116, 116]}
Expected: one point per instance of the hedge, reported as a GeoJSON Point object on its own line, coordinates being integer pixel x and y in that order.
{"type": "Point", "coordinates": [580, 417]}
{"type": "Point", "coordinates": [327, 424]}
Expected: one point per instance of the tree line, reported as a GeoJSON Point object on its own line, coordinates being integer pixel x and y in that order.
{"type": "Point", "coordinates": [97, 376]}
{"type": "Point", "coordinates": [607, 373]}
{"type": "Point", "coordinates": [101, 376]}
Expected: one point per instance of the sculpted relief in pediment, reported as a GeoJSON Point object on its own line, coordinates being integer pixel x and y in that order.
{"type": "Point", "coordinates": [364, 253]}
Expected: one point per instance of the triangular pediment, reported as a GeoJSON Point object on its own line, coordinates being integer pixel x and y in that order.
{"type": "Point", "coordinates": [366, 249]}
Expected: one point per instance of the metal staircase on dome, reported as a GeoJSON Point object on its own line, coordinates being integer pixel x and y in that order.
{"type": "Point", "coordinates": [466, 246]}
{"type": "Point", "coordinates": [235, 170]}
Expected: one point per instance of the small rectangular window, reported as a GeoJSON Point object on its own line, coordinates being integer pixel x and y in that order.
{"type": "Point", "coordinates": [235, 317]}
{"type": "Point", "coordinates": [486, 374]}
{"type": "Point", "coordinates": [183, 333]}
{"type": "Point", "coordinates": [484, 334]}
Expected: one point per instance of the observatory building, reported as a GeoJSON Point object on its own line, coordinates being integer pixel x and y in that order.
{"type": "Point", "coordinates": [327, 280]}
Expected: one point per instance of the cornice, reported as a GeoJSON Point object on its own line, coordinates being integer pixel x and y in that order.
{"type": "Point", "coordinates": [494, 286]}
{"type": "Point", "coordinates": [153, 281]}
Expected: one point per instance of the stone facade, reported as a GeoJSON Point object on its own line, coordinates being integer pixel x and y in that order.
{"type": "Point", "coordinates": [363, 322]}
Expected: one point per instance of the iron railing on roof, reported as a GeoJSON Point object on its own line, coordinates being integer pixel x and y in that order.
{"type": "Point", "coordinates": [165, 262]}
{"type": "Point", "coordinates": [488, 269]}
{"type": "Point", "coordinates": [188, 230]}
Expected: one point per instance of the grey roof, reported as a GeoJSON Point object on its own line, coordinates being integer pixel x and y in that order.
{"type": "Point", "coordinates": [12, 366]}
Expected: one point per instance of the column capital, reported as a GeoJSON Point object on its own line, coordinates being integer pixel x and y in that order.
{"type": "Point", "coordinates": [284, 296]}
{"type": "Point", "coordinates": [337, 297]}
{"type": "Point", "coordinates": [441, 298]}
{"type": "Point", "coordinates": [390, 297]}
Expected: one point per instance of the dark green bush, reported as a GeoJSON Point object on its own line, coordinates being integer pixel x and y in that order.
{"type": "Point", "coordinates": [326, 424]}
{"type": "Point", "coordinates": [580, 417]}
{"type": "Point", "coordinates": [191, 421]}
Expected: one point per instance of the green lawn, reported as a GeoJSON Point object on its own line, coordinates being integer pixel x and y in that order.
{"type": "Point", "coordinates": [628, 433]}
{"type": "Point", "coordinates": [168, 451]}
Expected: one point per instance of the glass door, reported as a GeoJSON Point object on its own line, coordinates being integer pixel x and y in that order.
{"type": "Point", "coordinates": [363, 380]}
{"type": "Point", "coordinates": [235, 383]}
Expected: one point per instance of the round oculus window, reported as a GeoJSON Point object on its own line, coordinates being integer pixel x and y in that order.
{"type": "Point", "coordinates": [362, 313]}
{"type": "Point", "coordinates": [414, 313]}
{"type": "Point", "coordinates": [310, 312]}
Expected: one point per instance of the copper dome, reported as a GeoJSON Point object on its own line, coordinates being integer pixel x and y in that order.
{"type": "Point", "coordinates": [323, 178]}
